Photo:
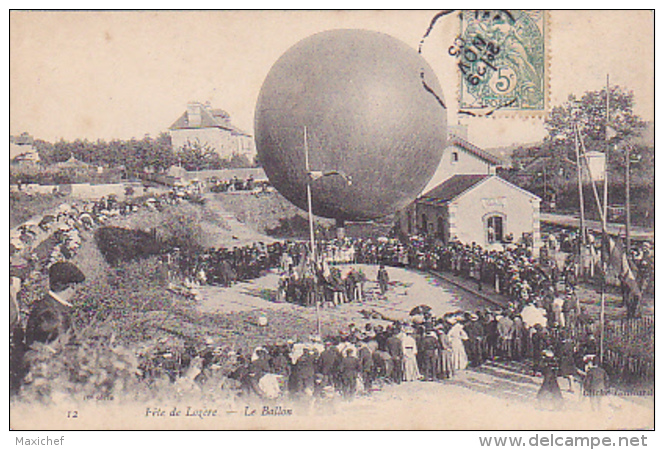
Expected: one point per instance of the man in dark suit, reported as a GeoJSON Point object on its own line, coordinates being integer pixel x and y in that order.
{"type": "Point", "coordinates": [50, 317]}
{"type": "Point", "coordinates": [395, 349]}
{"type": "Point", "coordinates": [383, 279]}
{"type": "Point", "coordinates": [366, 362]}
{"type": "Point", "coordinates": [328, 363]}
{"type": "Point", "coordinates": [349, 369]}
{"type": "Point", "coordinates": [303, 373]}
{"type": "Point", "coordinates": [595, 383]}
{"type": "Point", "coordinates": [17, 347]}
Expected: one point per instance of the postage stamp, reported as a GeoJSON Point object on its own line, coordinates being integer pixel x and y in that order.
{"type": "Point", "coordinates": [502, 61]}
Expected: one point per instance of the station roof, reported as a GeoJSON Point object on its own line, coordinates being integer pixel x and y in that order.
{"type": "Point", "coordinates": [457, 185]}
{"type": "Point", "coordinates": [475, 150]}
{"type": "Point", "coordinates": [451, 188]}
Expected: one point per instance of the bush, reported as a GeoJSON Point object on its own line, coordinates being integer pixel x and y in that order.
{"type": "Point", "coordinates": [138, 286]}
{"type": "Point", "coordinates": [120, 244]}
{"type": "Point", "coordinates": [181, 227]}
{"type": "Point", "coordinates": [88, 364]}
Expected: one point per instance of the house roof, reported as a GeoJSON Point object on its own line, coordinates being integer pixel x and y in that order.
{"type": "Point", "coordinates": [23, 139]}
{"type": "Point", "coordinates": [457, 185]}
{"type": "Point", "coordinates": [210, 118]}
{"type": "Point", "coordinates": [72, 162]}
{"type": "Point", "coordinates": [451, 188]}
{"type": "Point", "coordinates": [475, 150]}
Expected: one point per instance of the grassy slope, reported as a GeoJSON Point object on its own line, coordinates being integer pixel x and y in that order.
{"type": "Point", "coordinates": [23, 207]}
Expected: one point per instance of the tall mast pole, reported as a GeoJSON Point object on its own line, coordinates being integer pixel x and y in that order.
{"type": "Point", "coordinates": [605, 243]}
{"type": "Point", "coordinates": [309, 203]}
{"type": "Point", "coordinates": [628, 213]}
{"type": "Point", "coordinates": [582, 226]}
{"type": "Point", "coordinates": [606, 156]}
{"type": "Point", "coordinates": [312, 241]}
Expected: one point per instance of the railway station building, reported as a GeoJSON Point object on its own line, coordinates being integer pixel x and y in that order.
{"type": "Point", "coordinates": [484, 209]}
{"type": "Point", "coordinates": [469, 203]}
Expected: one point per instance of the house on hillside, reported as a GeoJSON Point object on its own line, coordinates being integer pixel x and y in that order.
{"type": "Point", "coordinates": [212, 127]}
{"type": "Point", "coordinates": [480, 208]}
{"type": "Point", "coordinates": [21, 148]}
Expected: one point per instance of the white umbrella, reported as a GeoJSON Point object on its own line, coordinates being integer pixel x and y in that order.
{"type": "Point", "coordinates": [269, 385]}
{"type": "Point", "coordinates": [532, 316]}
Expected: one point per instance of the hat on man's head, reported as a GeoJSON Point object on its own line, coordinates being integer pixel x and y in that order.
{"type": "Point", "coordinates": [589, 358]}
{"type": "Point", "coordinates": [62, 274]}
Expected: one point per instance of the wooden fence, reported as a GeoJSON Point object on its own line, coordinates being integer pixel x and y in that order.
{"type": "Point", "coordinates": [621, 335]}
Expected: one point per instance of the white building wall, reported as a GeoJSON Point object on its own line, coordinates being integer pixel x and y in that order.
{"type": "Point", "coordinates": [468, 213]}
{"type": "Point", "coordinates": [467, 164]}
{"type": "Point", "coordinates": [222, 141]}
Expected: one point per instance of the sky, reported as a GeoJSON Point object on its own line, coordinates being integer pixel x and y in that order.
{"type": "Point", "coordinates": [103, 75]}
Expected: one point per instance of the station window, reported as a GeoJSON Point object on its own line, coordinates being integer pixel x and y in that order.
{"type": "Point", "coordinates": [494, 229]}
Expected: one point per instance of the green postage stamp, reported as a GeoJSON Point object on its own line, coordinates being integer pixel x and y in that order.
{"type": "Point", "coordinates": [502, 61]}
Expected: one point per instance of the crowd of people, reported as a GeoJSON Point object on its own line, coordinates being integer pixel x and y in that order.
{"type": "Point", "coordinates": [513, 272]}
{"type": "Point", "coordinates": [56, 236]}
{"type": "Point", "coordinates": [223, 266]}
{"type": "Point", "coordinates": [362, 358]}
{"type": "Point", "coordinates": [542, 322]}
{"type": "Point", "coordinates": [354, 361]}
{"type": "Point", "coordinates": [586, 257]}
{"type": "Point", "coordinates": [236, 184]}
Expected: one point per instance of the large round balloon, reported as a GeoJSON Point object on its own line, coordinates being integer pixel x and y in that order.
{"type": "Point", "coordinates": [371, 109]}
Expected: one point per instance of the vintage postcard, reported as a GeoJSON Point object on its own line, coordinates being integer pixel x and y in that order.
{"type": "Point", "coordinates": [332, 220]}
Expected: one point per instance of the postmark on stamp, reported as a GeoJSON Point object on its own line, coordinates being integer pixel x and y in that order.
{"type": "Point", "coordinates": [501, 57]}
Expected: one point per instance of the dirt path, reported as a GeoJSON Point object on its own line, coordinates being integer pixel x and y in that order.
{"type": "Point", "coordinates": [409, 290]}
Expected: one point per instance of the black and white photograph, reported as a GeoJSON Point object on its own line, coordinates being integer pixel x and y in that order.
{"type": "Point", "coordinates": [332, 220]}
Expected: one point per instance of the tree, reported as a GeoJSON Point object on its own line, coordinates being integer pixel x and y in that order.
{"type": "Point", "coordinates": [549, 168]}
{"type": "Point", "coordinates": [46, 151]}
{"type": "Point", "coordinates": [161, 156]}
{"type": "Point", "coordinates": [62, 151]}
{"type": "Point", "coordinates": [589, 114]}
{"type": "Point", "coordinates": [625, 130]}
{"type": "Point", "coordinates": [195, 156]}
